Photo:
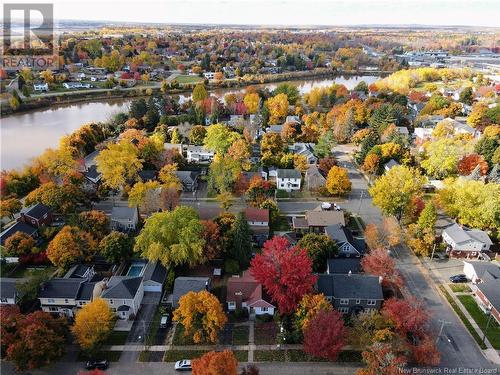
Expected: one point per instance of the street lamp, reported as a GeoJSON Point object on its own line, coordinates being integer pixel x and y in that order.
{"type": "Point", "coordinates": [487, 323]}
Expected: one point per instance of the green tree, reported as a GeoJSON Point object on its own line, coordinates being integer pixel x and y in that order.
{"type": "Point", "coordinates": [466, 96]}
{"type": "Point", "coordinates": [138, 108]}
{"type": "Point", "coordinates": [442, 157]}
{"type": "Point", "coordinates": [241, 249]}
{"type": "Point", "coordinates": [428, 217]}
{"type": "Point", "coordinates": [324, 146]}
{"type": "Point", "coordinates": [173, 238]}
{"type": "Point", "coordinates": [222, 174]}
{"type": "Point", "coordinates": [116, 246]}
{"type": "Point", "coordinates": [320, 248]}
{"type": "Point", "coordinates": [382, 117]}
{"type": "Point", "coordinates": [291, 91]}
{"type": "Point", "coordinates": [197, 135]}
{"type": "Point", "coordinates": [199, 93]}
{"type": "Point", "coordinates": [219, 138]}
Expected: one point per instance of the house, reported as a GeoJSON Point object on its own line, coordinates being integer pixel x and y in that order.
{"type": "Point", "coordinates": [477, 271]}
{"type": "Point", "coordinates": [314, 179]}
{"type": "Point", "coordinates": [92, 178]}
{"type": "Point", "coordinates": [154, 276]}
{"type": "Point", "coordinates": [36, 215]}
{"type": "Point", "coordinates": [80, 271]}
{"type": "Point", "coordinates": [147, 175]}
{"type": "Point", "coordinates": [351, 293]}
{"type": "Point", "coordinates": [292, 119]}
{"type": "Point", "coordinates": [274, 129]}
{"type": "Point", "coordinates": [9, 294]}
{"type": "Point", "coordinates": [317, 220]}
{"type": "Point", "coordinates": [76, 85]}
{"type": "Point", "coordinates": [390, 164]}
{"type": "Point", "coordinates": [460, 126]}
{"type": "Point", "coordinates": [41, 87]}
{"type": "Point", "coordinates": [288, 179]}
{"type": "Point", "coordinates": [198, 154]}
{"type": "Point", "coordinates": [488, 295]}
{"type": "Point", "coordinates": [258, 220]}
{"type": "Point", "coordinates": [209, 75]}
{"type": "Point", "coordinates": [64, 296]}
{"type": "Point", "coordinates": [466, 243]}
{"type": "Point", "coordinates": [189, 180]}
{"type": "Point", "coordinates": [186, 284]}
{"type": "Point", "coordinates": [306, 149]}
{"type": "Point", "coordinates": [343, 266]}
{"type": "Point", "coordinates": [246, 293]}
{"type": "Point", "coordinates": [176, 147]}
{"type": "Point", "coordinates": [348, 245]}
{"type": "Point", "coordinates": [124, 218]}
{"type": "Point", "coordinates": [18, 227]}
{"type": "Point", "coordinates": [124, 295]}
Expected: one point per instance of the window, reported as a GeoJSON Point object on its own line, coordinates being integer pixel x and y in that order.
{"type": "Point", "coordinates": [3, 300]}
{"type": "Point", "coordinates": [371, 302]}
{"type": "Point", "coordinates": [344, 301]}
{"type": "Point", "coordinates": [65, 300]}
{"type": "Point", "coordinates": [53, 309]}
{"type": "Point", "coordinates": [358, 301]}
{"type": "Point", "coordinates": [231, 305]}
{"type": "Point", "coordinates": [50, 300]}
{"type": "Point", "coordinates": [124, 301]}
{"type": "Point", "coordinates": [344, 310]}
{"type": "Point", "coordinates": [263, 309]}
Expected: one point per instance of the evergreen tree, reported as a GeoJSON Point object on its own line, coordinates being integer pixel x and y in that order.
{"type": "Point", "coordinates": [383, 117]}
{"type": "Point", "coordinates": [466, 96]}
{"type": "Point", "coordinates": [138, 108]}
{"type": "Point", "coordinates": [241, 245]}
{"type": "Point", "coordinates": [494, 175]}
{"type": "Point", "coordinates": [324, 146]}
{"type": "Point", "coordinates": [366, 145]}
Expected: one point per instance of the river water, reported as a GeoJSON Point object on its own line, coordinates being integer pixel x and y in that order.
{"type": "Point", "coordinates": [26, 135]}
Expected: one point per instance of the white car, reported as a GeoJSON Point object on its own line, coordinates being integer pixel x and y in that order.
{"type": "Point", "coordinates": [184, 365]}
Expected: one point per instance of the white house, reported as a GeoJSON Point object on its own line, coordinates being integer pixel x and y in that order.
{"type": "Point", "coordinates": [198, 154]}
{"type": "Point", "coordinates": [209, 75]}
{"type": "Point", "coordinates": [124, 218]}
{"type": "Point", "coordinates": [466, 243]}
{"type": "Point", "coordinates": [8, 291]}
{"type": "Point", "coordinates": [478, 271]}
{"type": "Point", "coordinates": [41, 87]}
{"type": "Point", "coordinates": [124, 295]}
{"type": "Point", "coordinates": [288, 179]}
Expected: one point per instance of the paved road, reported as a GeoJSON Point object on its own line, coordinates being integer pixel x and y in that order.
{"type": "Point", "coordinates": [462, 351]}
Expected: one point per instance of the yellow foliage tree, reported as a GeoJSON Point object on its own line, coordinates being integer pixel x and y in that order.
{"type": "Point", "coordinates": [119, 164]}
{"type": "Point", "coordinates": [308, 307]}
{"type": "Point", "coordinates": [93, 324]}
{"type": "Point", "coordinates": [278, 108]}
{"type": "Point", "coordinates": [252, 101]}
{"type": "Point", "coordinates": [201, 315]}
{"type": "Point", "coordinates": [337, 181]}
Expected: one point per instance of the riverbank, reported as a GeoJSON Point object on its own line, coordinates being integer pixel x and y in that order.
{"type": "Point", "coordinates": [64, 98]}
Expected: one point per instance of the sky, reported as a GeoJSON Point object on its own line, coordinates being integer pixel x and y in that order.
{"type": "Point", "coordinates": [282, 12]}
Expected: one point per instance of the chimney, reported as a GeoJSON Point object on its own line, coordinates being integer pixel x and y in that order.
{"type": "Point", "coordinates": [380, 278]}
{"type": "Point", "coordinates": [349, 273]}
{"type": "Point", "coordinates": [206, 285]}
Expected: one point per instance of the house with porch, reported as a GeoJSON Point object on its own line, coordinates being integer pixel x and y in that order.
{"type": "Point", "coordinates": [124, 295]}
{"type": "Point", "coordinates": [244, 292]}
{"type": "Point", "coordinates": [317, 220]}
{"type": "Point", "coordinates": [124, 218]}
{"type": "Point", "coordinates": [199, 155]}
{"type": "Point", "coordinates": [288, 179]}
{"type": "Point", "coordinates": [349, 247]}
{"type": "Point", "coordinates": [466, 243]}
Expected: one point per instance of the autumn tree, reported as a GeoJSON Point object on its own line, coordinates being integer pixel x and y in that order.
{"type": "Point", "coordinates": [252, 101]}
{"type": "Point", "coordinates": [19, 244]}
{"type": "Point", "coordinates": [259, 190]}
{"type": "Point", "coordinates": [173, 237]}
{"type": "Point", "coordinates": [61, 198]}
{"type": "Point", "coordinates": [116, 246]}
{"type": "Point", "coordinates": [409, 316]}
{"type": "Point", "coordinates": [199, 92]}
{"type": "Point", "coordinates": [337, 181]}
{"type": "Point", "coordinates": [309, 306]}
{"type": "Point", "coordinates": [319, 248]}
{"type": "Point", "coordinates": [119, 164]}
{"type": "Point", "coordinates": [93, 324]}
{"type": "Point", "coordinates": [278, 108]}
{"type": "Point", "coordinates": [393, 191]}
{"type": "Point", "coordinates": [382, 358]}
{"type": "Point", "coordinates": [325, 335]}
{"type": "Point", "coordinates": [325, 164]}
{"type": "Point", "coordinates": [94, 222]}
{"type": "Point", "coordinates": [378, 262]}
{"type": "Point", "coordinates": [469, 162]}
{"type": "Point", "coordinates": [285, 273]}
{"type": "Point", "coordinates": [145, 195]}
{"type": "Point", "coordinates": [201, 315]}
{"type": "Point", "coordinates": [9, 207]}
{"type": "Point", "coordinates": [222, 174]}
{"type": "Point", "coordinates": [213, 241]}
{"type": "Point", "coordinates": [168, 177]}
{"type": "Point", "coordinates": [441, 157]}
{"type": "Point", "coordinates": [197, 135]}
{"type": "Point", "coordinates": [216, 363]}
{"type": "Point", "coordinates": [71, 245]}
{"type": "Point", "coordinates": [219, 138]}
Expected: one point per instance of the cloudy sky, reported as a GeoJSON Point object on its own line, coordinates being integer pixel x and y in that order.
{"type": "Point", "coordinates": [283, 12]}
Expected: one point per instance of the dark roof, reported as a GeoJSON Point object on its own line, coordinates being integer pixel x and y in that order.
{"type": "Point", "coordinates": [491, 290]}
{"type": "Point", "coordinates": [482, 268]}
{"type": "Point", "coordinates": [350, 286]}
{"type": "Point", "coordinates": [61, 288]}
{"type": "Point", "coordinates": [86, 292]}
{"type": "Point", "coordinates": [147, 175]}
{"type": "Point", "coordinates": [123, 308]}
{"type": "Point", "coordinates": [92, 173]}
{"type": "Point", "coordinates": [183, 285]}
{"type": "Point", "coordinates": [122, 287]}
{"type": "Point", "coordinates": [340, 234]}
{"type": "Point", "coordinates": [344, 265]}
{"type": "Point", "coordinates": [8, 288]}
{"type": "Point", "coordinates": [77, 271]}
{"type": "Point", "coordinates": [155, 271]}
{"type": "Point", "coordinates": [123, 213]}
{"type": "Point", "coordinates": [37, 211]}
{"type": "Point", "coordinates": [17, 227]}
{"type": "Point", "coordinates": [289, 173]}
{"type": "Point", "coordinates": [187, 177]}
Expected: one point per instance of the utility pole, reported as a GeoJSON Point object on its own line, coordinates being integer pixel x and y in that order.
{"type": "Point", "coordinates": [487, 326]}
{"type": "Point", "coordinates": [360, 201]}
{"type": "Point", "coordinates": [432, 255]}
{"type": "Point", "coordinates": [443, 323]}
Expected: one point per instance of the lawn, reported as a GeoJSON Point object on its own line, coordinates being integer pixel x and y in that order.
{"type": "Point", "coordinates": [188, 79]}
{"type": "Point", "coordinates": [462, 317]}
{"type": "Point", "coordinates": [281, 225]}
{"type": "Point", "coordinates": [153, 328]}
{"type": "Point", "coordinates": [177, 355]}
{"type": "Point", "coordinates": [240, 335]}
{"type": "Point", "coordinates": [269, 356]}
{"type": "Point", "coordinates": [117, 338]}
{"type": "Point", "coordinates": [460, 288]}
{"type": "Point", "coordinates": [265, 333]}
{"type": "Point", "coordinates": [297, 355]}
{"type": "Point", "coordinates": [493, 333]}
{"type": "Point", "coordinates": [241, 355]}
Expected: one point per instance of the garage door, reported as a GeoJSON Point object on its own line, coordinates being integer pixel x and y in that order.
{"type": "Point", "coordinates": [152, 288]}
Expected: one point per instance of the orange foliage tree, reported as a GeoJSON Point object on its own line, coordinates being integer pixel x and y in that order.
{"type": "Point", "coordinates": [69, 246]}
{"type": "Point", "coordinates": [467, 164]}
{"type": "Point", "coordinates": [216, 363]}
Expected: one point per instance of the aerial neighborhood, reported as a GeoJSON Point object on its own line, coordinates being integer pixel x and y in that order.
{"type": "Point", "coordinates": [355, 223]}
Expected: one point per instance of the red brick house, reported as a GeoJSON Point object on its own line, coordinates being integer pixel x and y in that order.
{"type": "Point", "coordinates": [37, 215]}
{"type": "Point", "coordinates": [246, 293]}
{"type": "Point", "coordinates": [488, 293]}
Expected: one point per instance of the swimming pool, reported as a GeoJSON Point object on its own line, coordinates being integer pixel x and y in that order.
{"type": "Point", "coordinates": [135, 269]}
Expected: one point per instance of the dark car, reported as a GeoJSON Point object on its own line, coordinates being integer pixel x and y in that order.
{"type": "Point", "coordinates": [101, 365]}
{"type": "Point", "coordinates": [459, 279]}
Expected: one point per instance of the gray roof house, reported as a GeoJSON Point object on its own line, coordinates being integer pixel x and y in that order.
{"type": "Point", "coordinates": [390, 164]}
{"type": "Point", "coordinates": [184, 284]}
{"type": "Point", "coordinates": [343, 266]}
{"type": "Point", "coordinates": [466, 243]}
{"type": "Point", "coordinates": [313, 178]}
{"type": "Point", "coordinates": [8, 291]}
{"type": "Point", "coordinates": [63, 296]}
{"type": "Point", "coordinates": [18, 227]}
{"type": "Point", "coordinates": [288, 179]}
{"type": "Point", "coordinates": [189, 179]}
{"type": "Point", "coordinates": [351, 293]}
{"type": "Point", "coordinates": [488, 293]}
{"type": "Point", "coordinates": [478, 271]}
{"type": "Point", "coordinates": [306, 149]}
{"type": "Point", "coordinates": [347, 244]}
{"type": "Point", "coordinates": [124, 295]}
{"type": "Point", "coordinates": [124, 218]}
{"type": "Point", "coordinates": [154, 277]}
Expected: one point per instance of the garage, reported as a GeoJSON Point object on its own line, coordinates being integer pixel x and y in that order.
{"type": "Point", "coordinates": [151, 286]}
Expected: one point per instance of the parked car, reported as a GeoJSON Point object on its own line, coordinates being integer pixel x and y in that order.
{"type": "Point", "coordinates": [459, 279]}
{"type": "Point", "coordinates": [184, 365]}
{"type": "Point", "coordinates": [165, 321]}
{"type": "Point", "coordinates": [100, 364]}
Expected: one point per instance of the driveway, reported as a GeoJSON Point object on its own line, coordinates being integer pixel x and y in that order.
{"type": "Point", "coordinates": [141, 325]}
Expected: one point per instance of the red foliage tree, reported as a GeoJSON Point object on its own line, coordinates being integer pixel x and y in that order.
{"type": "Point", "coordinates": [326, 164]}
{"type": "Point", "coordinates": [409, 316]}
{"type": "Point", "coordinates": [325, 334]}
{"type": "Point", "coordinates": [259, 190]}
{"type": "Point", "coordinates": [379, 263]}
{"type": "Point", "coordinates": [380, 358]}
{"type": "Point", "coordinates": [216, 363]}
{"type": "Point", "coordinates": [213, 241]}
{"type": "Point", "coordinates": [425, 353]}
{"type": "Point", "coordinates": [285, 273]}
{"type": "Point", "coordinates": [10, 317]}
{"type": "Point", "coordinates": [241, 185]}
{"type": "Point", "coordinates": [467, 164]}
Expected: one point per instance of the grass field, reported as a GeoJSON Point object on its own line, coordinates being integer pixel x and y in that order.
{"type": "Point", "coordinates": [188, 79]}
{"type": "Point", "coordinates": [460, 288]}
{"type": "Point", "coordinates": [116, 338]}
{"type": "Point", "coordinates": [177, 355]}
{"type": "Point", "coordinates": [240, 335]}
{"type": "Point", "coordinates": [493, 333]}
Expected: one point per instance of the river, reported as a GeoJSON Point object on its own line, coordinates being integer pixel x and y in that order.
{"type": "Point", "coordinates": [26, 135]}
